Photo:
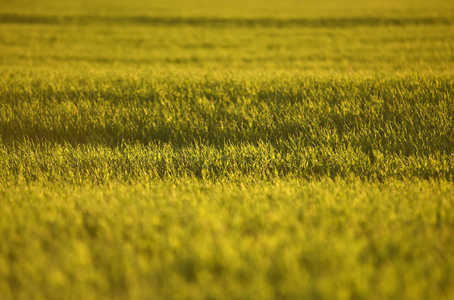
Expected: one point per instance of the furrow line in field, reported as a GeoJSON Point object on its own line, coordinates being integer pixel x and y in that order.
{"type": "Point", "coordinates": [238, 22]}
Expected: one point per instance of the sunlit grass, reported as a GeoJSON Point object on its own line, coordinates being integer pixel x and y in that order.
{"type": "Point", "coordinates": [226, 149]}
{"type": "Point", "coordinates": [292, 239]}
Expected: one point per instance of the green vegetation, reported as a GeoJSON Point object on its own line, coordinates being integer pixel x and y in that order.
{"type": "Point", "coordinates": [298, 240]}
{"type": "Point", "coordinates": [102, 129]}
{"type": "Point", "coordinates": [226, 149]}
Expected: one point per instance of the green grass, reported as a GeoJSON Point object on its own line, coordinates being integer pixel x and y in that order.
{"type": "Point", "coordinates": [287, 239]}
{"type": "Point", "coordinates": [332, 46]}
{"type": "Point", "coordinates": [226, 149]}
{"type": "Point", "coordinates": [103, 129]}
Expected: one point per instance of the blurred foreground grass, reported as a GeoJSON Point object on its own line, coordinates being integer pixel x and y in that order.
{"type": "Point", "coordinates": [283, 239]}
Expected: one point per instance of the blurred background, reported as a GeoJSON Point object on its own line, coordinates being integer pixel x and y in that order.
{"type": "Point", "coordinates": [311, 36]}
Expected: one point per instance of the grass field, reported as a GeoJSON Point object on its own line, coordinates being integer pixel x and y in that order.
{"type": "Point", "coordinates": [226, 149]}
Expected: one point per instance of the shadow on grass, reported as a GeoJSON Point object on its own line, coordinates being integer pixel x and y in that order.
{"type": "Point", "coordinates": [235, 22]}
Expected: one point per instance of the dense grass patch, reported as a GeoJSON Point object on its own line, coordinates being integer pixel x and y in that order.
{"type": "Point", "coordinates": [129, 128]}
{"type": "Point", "coordinates": [212, 149]}
{"type": "Point", "coordinates": [294, 239]}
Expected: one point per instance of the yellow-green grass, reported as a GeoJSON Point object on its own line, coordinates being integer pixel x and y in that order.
{"type": "Point", "coordinates": [283, 239]}
{"type": "Point", "coordinates": [226, 149]}
{"type": "Point", "coordinates": [102, 128]}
